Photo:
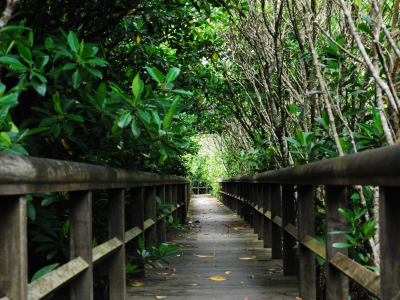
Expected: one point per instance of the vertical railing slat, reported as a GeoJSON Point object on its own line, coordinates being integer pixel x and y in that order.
{"type": "Point", "coordinates": [389, 223]}
{"type": "Point", "coordinates": [288, 216]}
{"type": "Point", "coordinates": [161, 228]}
{"type": "Point", "coordinates": [260, 217]}
{"type": "Point", "coordinates": [307, 279]}
{"type": "Point", "coordinates": [13, 247]}
{"type": "Point", "coordinates": [81, 241]}
{"type": "Point", "coordinates": [116, 229]}
{"type": "Point", "coordinates": [276, 230]}
{"type": "Point", "coordinates": [168, 200]}
{"type": "Point", "coordinates": [137, 220]}
{"type": "Point", "coordinates": [267, 221]}
{"type": "Point", "coordinates": [151, 213]}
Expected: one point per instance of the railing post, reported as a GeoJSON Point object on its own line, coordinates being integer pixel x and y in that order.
{"type": "Point", "coordinates": [267, 221]}
{"type": "Point", "coordinates": [116, 229]}
{"type": "Point", "coordinates": [151, 213]}
{"type": "Point", "coordinates": [161, 227]}
{"type": "Point", "coordinates": [137, 219]}
{"type": "Point", "coordinates": [276, 211]}
{"type": "Point", "coordinates": [389, 223]}
{"type": "Point", "coordinates": [174, 199]}
{"type": "Point", "coordinates": [288, 216]}
{"type": "Point", "coordinates": [337, 284]}
{"type": "Point", "coordinates": [81, 242]}
{"type": "Point", "coordinates": [168, 200]}
{"type": "Point", "coordinates": [255, 207]}
{"type": "Point", "coordinates": [306, 256]}
{"type": "Point", "coordinates": [239, 201]}
{"type": "Point", "coordinates": [260, 216]}
{"type": "Point", "coordinates": [251, 203]}
{"type": "Point", "coordinates": [13, 247]}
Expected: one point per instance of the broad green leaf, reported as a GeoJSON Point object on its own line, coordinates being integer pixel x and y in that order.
{"type": "Point", "coordinates": [3, 114]}
{"type": "Point", "coordinates": [172, 74]}
{"type": "Point", "coordinates": [116, 130]}
{"type": "Point", "coordinates": [9, 60]}
{"type": "Point", "coordinates": [86, 53]}
{"type": "Point", "coordinates": [76, 79]}
{"type": "Point", "coordinates": [64, 229]}
{"type": "Point", "coordinates": [44, 271]}
{"type": "Point", "coordinates": [41, 61]}
{"type": "Point", "coordinates": [37, 130]}
{"type": "Point", "coordinates": [30, 211]}
{"type": "Point", "coordinates": [135, 128]}
{"type": "Point", "coordinates": [40, 87]}
{"type": "Point", "coordinates": [377, 119]}
{"type": "Point", "coordinates": [76, 118]}
{"type": "Point", "coordinates": [97, 62]}
{"type": "Point", "coordinates": [24, 52]}
{"type": "Point", "coordinates": [144, 116]}
{"type": "Point", "coordinates": [137, 88]}
{"type": "Point", "coordinates": [73, 41]}
{"type": "Point", "coordinates": [341, 245]}
{"type": "Point", "coordinates": [102, 91]}
{"type": "Point", "coordinates": [94, 72]}
{"type": "Point", "coordinates": [157, 75]}
{"type": "Point", "coordinates": [5, 138]}
{"type": "Point", "coordinates": [9, 100]}
{"type": "Point", "coordinates": [156, 118]}
{"type": "Point", "coordinates": [57, 104]}
{"type": "Point", "coordinates": [49, 43]}
{"type": "Point", "coordinates": [124, 120]}
{"type": "Point", "coordinates": [182, 92]}
{"type": "Point", "coordinates": [170, 114]}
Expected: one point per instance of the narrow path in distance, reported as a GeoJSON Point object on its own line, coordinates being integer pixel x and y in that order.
{"type": "Point", "coordinates": [214, 243]}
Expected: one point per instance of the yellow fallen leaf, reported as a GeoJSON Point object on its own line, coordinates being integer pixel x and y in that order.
{"type": "Point", "coordinates": [194, 284]}
{"type": "Point", "coordinates": [224, 244]}
{"type": "Point", "coordinates": [136, 283]}
{"type": "Point", "coordinates": [214, 55]}
{"type": "Point", "coordinates": [228, 272]}
{"type": "Point", "coordinates": [266, 297]}
{"type": "Point", "coordinates": [246, 258]}
{"type": "Point", "coordinates": [205, 261]}
{"type": "Point", "coordinates": [196, 275]}
{"type": "Point", "coordinates": [161, 297]}
{"type": "Point", "coordinates": [218, 278]}
{"type": "Point", "coordinates": [212, 255]}
{"type": "Point", "coordinates": [163, 273]}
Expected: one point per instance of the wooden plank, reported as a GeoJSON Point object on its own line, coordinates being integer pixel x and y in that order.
{"type": "Point", "coordinates": [292, 230]}
{"type": "Point", "coordinates": [137, 221]}
{"type": "Point", "coordinates": [364, 277]}
{"type": "Point", "coordinates": [161, 226]}
{"type": "Point", "coordinates": [276, 230]}
{"type": "Point", "coordinates": [307, 281]}
{"type": "Point", "coordinates": [13, 247]}
{"type": "Point", "coordinates": [151, 213]}
{"type": "Point", "coordinates": [81, 242]}
{"type": "Point", "coordinates": [288, 217]}
{"type": "Point", "coordinates": [148, 223]}
{"type": "Point", "coordinates": [116, 229]}
{"type": "Point", "coordinates": [267, 222]}
{"type": "Point", "coordinates": [337, 285]}
{"type": "Point", "coordinates": [56, 279]}
{"type": "Point", "coordinates": [174, 200]}
{"type": "Point", "coordinates": [314, 245]}
{"type": "Point", "coordinates": [105, 250]}
{"type": "Point", "coordinates": [389, 223]}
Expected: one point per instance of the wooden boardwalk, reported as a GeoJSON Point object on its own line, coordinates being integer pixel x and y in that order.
{"type": "Point", "coordinates": [211, 233]}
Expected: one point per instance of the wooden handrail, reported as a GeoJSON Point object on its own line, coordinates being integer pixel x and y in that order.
{"type": "Point", "coordinates": [266, 201]}
{"type": "Point", "coordinates": [23, 175]}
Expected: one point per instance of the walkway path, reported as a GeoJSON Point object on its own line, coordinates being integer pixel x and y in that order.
{"type": "Point", "coordinates": [221, 238]}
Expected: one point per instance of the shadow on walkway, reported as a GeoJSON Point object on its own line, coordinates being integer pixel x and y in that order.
{"type": "Point", "coordinates": [221, 238]}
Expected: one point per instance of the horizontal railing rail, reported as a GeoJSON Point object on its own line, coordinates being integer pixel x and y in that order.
{"type": "Point", "coordinates": [196, 188]}
{"type": "Point", "coordinates": [24, 175]}
{"type": "Point", "coordinates": [267, 202]}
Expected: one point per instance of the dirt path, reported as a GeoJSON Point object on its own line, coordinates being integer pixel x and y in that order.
{"type": "Point", "coordinates": [211, 233]}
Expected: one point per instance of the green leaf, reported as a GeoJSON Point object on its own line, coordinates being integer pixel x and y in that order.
{"type": "Point", "coordinates": [30, 211]}
{"type": "Point", "coordinates": [116, 130]}
{"type": "Point", "coordinates": [156, 118]}
{"type": "Point", "coordinates": [10, 100]}
{"type": "Point", "coordinates": [76, 118]}
{"type": "Point", "coordinates": [135, 128]}
{"type": "Point", "coordinates": [341, 245]}
{"type": "Point", "coordinates": [143, 115]}
{"type": "Point", "coordinates": [124, 120]}
{"type": "Point", "coordinates": [172, 74]}
{"type": "Point", "coordinates": [137, 88]}
{"type": "Point", "coordinates": [97, 62]}
{"type": "Point", "coordinates": [3, 114]}
{"type": "Point", "coordinates": [44, 271]}
{"type": "Point", "coordinates": [9, 60]}
{"type": "Point", "coordinates": [5, 138]}
{"type": "Point", "coordinates": [49, 44]}
{"type": "Point", "coordinates": [57, 104]}
{"type": "Point", "coordinates": [94, 72]}
{"type": "Point", "coordinates": [102, 91]}
{"type": "Point", "coordinates": [87, 52]}
{"type": "Point", "coordinates": [314, 92]}
{"type": "Point", "coordinates": [76, 79]}
{"type": "Point", "coordinates": [377, 119]}
{"type": "Point", "coordinates": [42, 238]}
{"type": "Point", "coordinates": [73, 41]}
{"type": "Point", "coordinates": [64, 229]}
{"type": "Point", "coordinates": [41, 61]}
{"type": "Point", "coordinates": [182, 92]}
{"type": "Point", "coordinates": [37, 130]}
{"type": "Point", "coordinates": [40, 87]}
{"type": "Point", "coordinates": [364, 27]}
{"type": "Point", "coordinates": [69, 66]}
{"type": "Point", "coordinates": [24, 52]}
{"type": "Point", "coordinates": [293, 141]}
{"type": "Point", "coordinates": [169, 115]}
{"type": "Point", "coordinates": [157, 75]}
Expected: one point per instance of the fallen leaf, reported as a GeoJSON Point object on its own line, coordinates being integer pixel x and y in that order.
{"type": "Point", "coordinates": [173, 269]}
{"type": "Point", "coordinates": [252, 276]}
{"type": "Point", "coordinates": [216, 221]}
{"type": "Point", "coordinates": [218, 278]}
{"type": "Point", "coordinates": [212, 255]}
{"type": "Point", "coordinates": [224, 244]}
{"type": "Point", "coordinates": [232, 224]}
{"type": "Point", "coordinates": [196, 275]}
{"type": "Point", "coordinates": [228, 272]}
{"type": "Point", "coordinates": [136, 283]}
{"type": "Point", "coordinates": [161, 297]}
{"type": "Point", "coordinates": [298, 298]}
{"type": "Point", "coordinates": [205, 261]}
{"type": "Point", "coordinates": [194, 284]}
{"type": "Point", "coordinates": [163, 273]}
{"type": "Point", "coordinates": [284, 293]}
{"type": "Point", "coordinates": [246, 258]}
{"type": "Point", "coordinates": [266, 297]}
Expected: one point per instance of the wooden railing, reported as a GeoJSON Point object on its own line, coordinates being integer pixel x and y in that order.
{"type": "Point", "coordinates": [24, 175]}
{"type": "Point", "coordinates": [267, 201]}
{"type": "Point", "coordinates": [198, 189]}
